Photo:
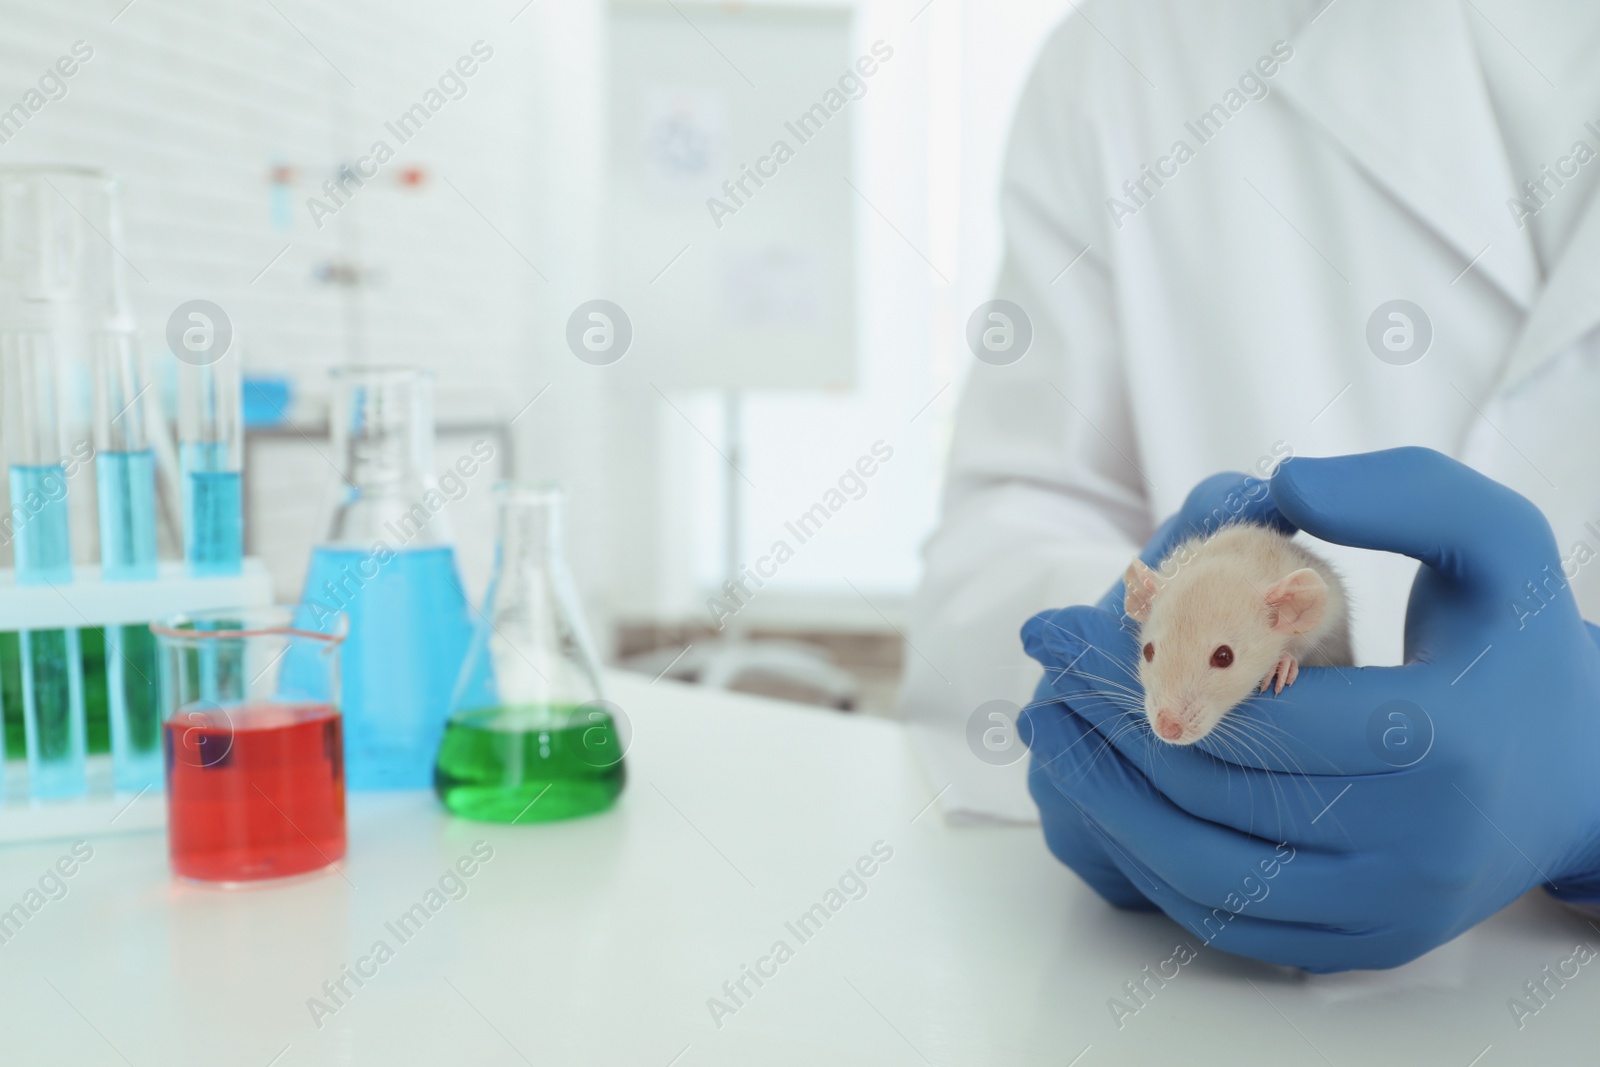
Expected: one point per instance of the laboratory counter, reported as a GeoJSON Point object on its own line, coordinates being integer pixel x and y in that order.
{"type": "Point", "coordinates": [775, 886]}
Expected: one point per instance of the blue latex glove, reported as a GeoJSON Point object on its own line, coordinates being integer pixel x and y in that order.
{"type": "Point", "coordinates": [1374, 813]}
{"type": "Point", "coordinates": [1073, 838]}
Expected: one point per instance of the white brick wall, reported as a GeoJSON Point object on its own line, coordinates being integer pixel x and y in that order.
{"type": "Point", "coordinates": [193, 103]}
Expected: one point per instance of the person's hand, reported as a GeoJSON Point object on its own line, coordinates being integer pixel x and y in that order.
{"type": "Point", "coordinates": [1363, 816]}
{"type": "Point", "coordinates": [1075, 840]}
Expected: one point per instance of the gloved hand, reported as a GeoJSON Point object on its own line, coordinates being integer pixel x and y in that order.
{"type": "Point", "coordinates": [1074, 839]}
{"type": "Point", "coordinates": [1374, 813]}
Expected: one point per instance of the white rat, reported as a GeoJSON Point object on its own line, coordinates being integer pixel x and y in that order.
{"type": "Point", "coordinates": [1227, 614]}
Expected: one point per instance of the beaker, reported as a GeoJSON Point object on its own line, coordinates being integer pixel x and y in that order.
{"type": "Point", "coordinates": [60, 231]}
{"type": "Point", "coordinates": [254, 755]}
{"type": "Point", "coordinates": [388, 563]}
{"type": "Point", "coordinates": [531, 737]}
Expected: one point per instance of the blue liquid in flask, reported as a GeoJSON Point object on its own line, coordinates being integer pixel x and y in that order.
{"type": "Point", "coordinates": [213, 517]}
{"type": "Point", "coordinates": [409, 631]}
{"type": "Point", "coordinates": [127, 488]}
{"type": "Point", "coordinates": [52, 665]}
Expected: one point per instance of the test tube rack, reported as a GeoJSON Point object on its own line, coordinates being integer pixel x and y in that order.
{"type": "Point", "coordinates": [88, 603]}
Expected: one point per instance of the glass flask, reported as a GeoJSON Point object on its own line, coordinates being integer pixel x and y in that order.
{"type": "Point", "coordinates": [530, 737]}
{"type": "Point", "coordinates": [253, 749]}
{"type": "Point", "coordinates": [388, 564]}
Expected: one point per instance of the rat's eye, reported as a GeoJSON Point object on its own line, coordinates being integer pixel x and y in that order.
{"type": "Point", "coordinates": [1222, 657]}
{"type": "Point", "coordinates": [1149, 652]}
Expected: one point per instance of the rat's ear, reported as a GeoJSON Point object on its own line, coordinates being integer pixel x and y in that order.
{"type": "Point", "coordinates": [1297, 603]}
{"type": "Point", "coordinates": [1139, 584]}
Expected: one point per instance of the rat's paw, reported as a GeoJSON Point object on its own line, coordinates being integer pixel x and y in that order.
{"type": "Point", "coordinates": [1283, 673]}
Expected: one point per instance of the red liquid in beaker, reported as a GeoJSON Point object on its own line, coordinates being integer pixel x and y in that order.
{"type": "Point", "coordinates": [254, 792]}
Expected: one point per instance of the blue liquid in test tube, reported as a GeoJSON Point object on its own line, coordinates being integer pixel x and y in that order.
{"type": "Point", "coordinates": [52, 667]}
{"type": "Point", "coordinates": [213, 521]}
{"type": "Point", "coordinates": [127, 491]}
{"type": "Point", "coordinates": [127, 484]}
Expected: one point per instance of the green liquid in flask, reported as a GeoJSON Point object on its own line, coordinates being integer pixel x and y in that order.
{"type": "Point", "coordinates": [529, 764]}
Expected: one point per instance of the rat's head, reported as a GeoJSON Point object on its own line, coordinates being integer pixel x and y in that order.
{"type": "Point", "coordinates": [1208, 637]}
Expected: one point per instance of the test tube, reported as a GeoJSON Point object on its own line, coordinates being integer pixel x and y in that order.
{"type": "Point", "coordinates": [52, 667]}
{"type": "Point", "coordinates": [125, 476]}
{"type": "Point", "coordinates": [211, 435]}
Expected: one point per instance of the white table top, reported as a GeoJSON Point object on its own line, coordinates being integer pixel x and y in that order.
{"type": "Point", "coordinates": [599, 941]}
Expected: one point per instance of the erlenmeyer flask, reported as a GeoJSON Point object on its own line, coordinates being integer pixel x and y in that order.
{"type": "Point", "coordinates": [388, 563]}
{"type": "Point", "coordinates": [530, 737]}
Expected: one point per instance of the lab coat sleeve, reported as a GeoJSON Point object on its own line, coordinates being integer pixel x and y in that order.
{"type": "Point", "coordinates": [1044, 500]}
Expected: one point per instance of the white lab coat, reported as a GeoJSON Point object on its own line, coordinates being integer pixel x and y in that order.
{"type": "Point", "coordinates": [1224, 320]}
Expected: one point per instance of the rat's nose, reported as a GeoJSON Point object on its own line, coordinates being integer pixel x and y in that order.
{"type": "Point", "coordinates": [1168, 726]}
